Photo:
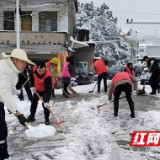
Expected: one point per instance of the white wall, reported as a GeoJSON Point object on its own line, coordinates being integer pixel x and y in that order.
{"type": "Point", "coordinates": [62, 20]}
{"type": "Point", "coordinates": [35, 21]}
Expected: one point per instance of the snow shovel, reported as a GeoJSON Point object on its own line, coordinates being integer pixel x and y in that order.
{"type": "Point", "coordinates": [21, 96]}
{"type": "Point", "coordinates": [71, 89]}
{"type": "Point", "coordinates": [141, 91]}
{"type": "Point", "coordinates": [24, 83]}
{"type": "Point", "coordinates": [41, 131]}
{"type": "Point", "coordinates": [58, 122]}
{"type": "Point", "coordinates": [93, 88]}
{"type": "Point", "coordinates": [97, 107]}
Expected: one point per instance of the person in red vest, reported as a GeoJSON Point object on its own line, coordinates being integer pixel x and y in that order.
{"type": "Point", "coordinates": [42, 82]}
{"type": "Point", "coordinates": [122, 82]}
{"type": "Point", "coordinates": [101, 70]}
{"type": "Point", "coordinates": [129, 68]}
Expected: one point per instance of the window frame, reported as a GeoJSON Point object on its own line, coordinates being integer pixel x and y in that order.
{"type": "Point", "coordinates": [48, 15]}
{"type": "Point", "coordinates": [7, 19]}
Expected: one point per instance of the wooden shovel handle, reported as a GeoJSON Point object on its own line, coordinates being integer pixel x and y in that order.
{"type": "Point", "coordinates": [71, 89]}
{"type": "Point", "coordinates": [24, 83]}
{"type": "Point", "coordinates": [39, 96]}
{"type": "Point", "coordinates": [47, 106]}
{"type": "Point", "coordinates": [111, 101]}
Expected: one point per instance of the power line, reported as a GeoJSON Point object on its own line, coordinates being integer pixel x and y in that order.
{"type": "Point", "coordinates": [137, 13]}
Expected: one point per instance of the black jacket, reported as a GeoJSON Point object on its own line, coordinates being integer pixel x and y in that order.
{"type": "Point", "coordinates": [22, 77]}
{"type": "Point", "coordinates": [154, 67]}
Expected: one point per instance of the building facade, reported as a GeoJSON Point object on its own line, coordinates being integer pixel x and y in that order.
{"type": "Point", "coordinates": [45, 26]}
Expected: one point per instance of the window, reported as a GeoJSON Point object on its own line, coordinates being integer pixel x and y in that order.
{"type": "Point", "coordinates": [8, 20]}
{"type": "Point", "coordinates": [141, 49]}
{"type": "Point", "coordinates": [26, 21]}
{"type": "Point", "coordinates": [48, 21]}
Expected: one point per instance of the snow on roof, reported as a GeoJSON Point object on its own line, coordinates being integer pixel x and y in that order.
{"type": "Point", "coordinates": [77, 44]}
{"type": "Point", "coordinates": [70, 49]}
{"type": "Point", "coordinates": [133, 38]}
{"type": "Point", "coordinates": [83, 27]}
{"type": "Point", "coordinates": [124, 31]}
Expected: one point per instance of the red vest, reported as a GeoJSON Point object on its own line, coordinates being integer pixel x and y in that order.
{"type": "Point", "coordinates": [100, 66]}
{"type": "Point", "coordinates": [129, 71]}
{"type": "Point", "coordinates": [121, 76]}
{"type": "Point", "coordinates": [39, 83]}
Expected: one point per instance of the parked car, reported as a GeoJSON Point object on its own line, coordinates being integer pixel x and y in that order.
{"type": "Point", "coordinates": [138, 69]}
{"type": "Point", "coordinates": [113, 70]}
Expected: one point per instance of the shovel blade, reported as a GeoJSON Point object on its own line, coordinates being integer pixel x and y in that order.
{"type": "Point", "coordinates": [57, 124]}
{"type": "Point", "coordinates": [140, 92]}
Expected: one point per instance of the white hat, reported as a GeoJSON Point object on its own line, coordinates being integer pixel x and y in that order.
{"type": "Point", "coordinates": [19, 54]}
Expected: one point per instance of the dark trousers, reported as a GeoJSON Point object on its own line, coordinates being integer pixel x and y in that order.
{"type": "Point", "coordinates": [154, 82]}
{"type": "Point", "coordinates": [35, 103]}
{"type": "Point", "coordinates": [104, 77]}
{"type": "Point", "coordinates": [65, 87]}
{"type": "Point", "coordinates": [127, 88]}
{"type": "Point", "coordinates": [53, 93]}
{"type": "Point", "coordinates": [28, 91]}
{"type": "Point", "coordinates": [3, 134]}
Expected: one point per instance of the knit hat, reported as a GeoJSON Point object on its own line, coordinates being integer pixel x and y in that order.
{"type": "Point", "coordinates": [54, 60]}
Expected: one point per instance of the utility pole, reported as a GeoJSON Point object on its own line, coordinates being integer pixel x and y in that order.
{"type": "Point", "coordinates": [17, 27]}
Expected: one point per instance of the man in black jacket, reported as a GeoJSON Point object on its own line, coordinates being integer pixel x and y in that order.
{"type": "Point", "coordinates": [42, 82]}
{"type": "Point", "coordinates": [23, 81]}
{"type": "Point", "coordinates": [154, 69]}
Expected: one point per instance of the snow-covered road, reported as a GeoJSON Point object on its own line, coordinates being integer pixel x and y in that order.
{"type": "Point", "coordinates": [85, 135]}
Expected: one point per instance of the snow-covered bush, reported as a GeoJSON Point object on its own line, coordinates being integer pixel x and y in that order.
{"type": "Point", "coordinates": [103, 28]}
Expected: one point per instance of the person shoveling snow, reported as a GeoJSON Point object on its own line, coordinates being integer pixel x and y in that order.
{"type": "Point", "coordinates": [10, 67]}
{"type": "Point", "coordinates": [122, 82]}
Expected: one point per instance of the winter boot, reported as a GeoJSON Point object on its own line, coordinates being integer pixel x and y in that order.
{"type": "Point", "coordinates": [116, 107]}
{"type": "Point", "coordinates": [153, 92]}
{"type": "Point", "coordinates": [47, 121]}
{"type": "Point", "coordinates": [3, 152]}
{"type": "Point", "coordinates": [46, 115]}
{"type": "Point", "coordinates": [31, 118]}
{"type": "Point", "coordinates": [131, 105]}
{"type": "Point", "coordinates": [68, 92]}
{"type": "Point", "coordinates": [53, 94]}
{"type": "Point", "coordinates": [66, 95]}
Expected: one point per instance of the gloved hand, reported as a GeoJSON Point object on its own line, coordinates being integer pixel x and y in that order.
{"type": "Point", "coordinates": [134, 92]}
{"type": "Point", "coordinates": [33, 89]}
{"type": "Point", "coordinates": [108, 102]}
{"type": "Point", "coordinates": [22, 119]}
{"type": "Point", "coordinates": [46, 105]}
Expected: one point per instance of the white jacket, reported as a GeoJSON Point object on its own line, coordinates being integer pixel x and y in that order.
{"type": "Point", "coordinates": [8, 80]}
